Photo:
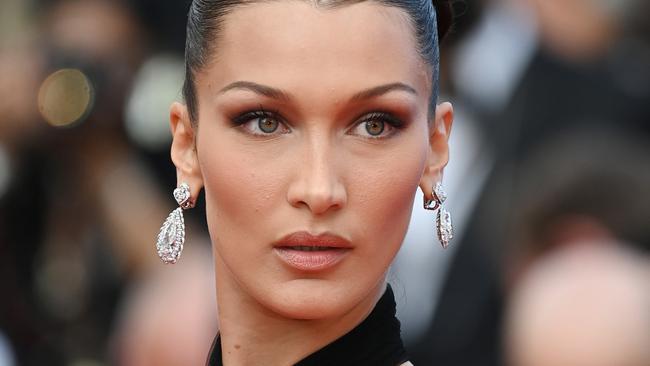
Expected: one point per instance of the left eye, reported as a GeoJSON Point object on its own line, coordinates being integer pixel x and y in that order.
{"type": "Point", "coordinates": [267, 124]}
{"type": "Point", "coordinates": [376, 125]}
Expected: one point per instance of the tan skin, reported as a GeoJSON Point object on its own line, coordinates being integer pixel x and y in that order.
{"type": "Point", "coordinates": [319, 169]}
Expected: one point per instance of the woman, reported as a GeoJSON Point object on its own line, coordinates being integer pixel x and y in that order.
{"type": "Point", "coordinates": [309, 125]}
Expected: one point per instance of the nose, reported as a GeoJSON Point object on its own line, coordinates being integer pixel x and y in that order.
{"type": "Point", "coordinates": [318, 185]}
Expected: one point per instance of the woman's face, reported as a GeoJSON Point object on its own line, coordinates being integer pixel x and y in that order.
{"type": "Point", "coordinates": [311, 121]}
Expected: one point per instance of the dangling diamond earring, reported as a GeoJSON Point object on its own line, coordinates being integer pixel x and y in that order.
{"type": "Point", "coordinates": [444, 228]}
{"type": "Point", "coordinates": [172, 233]}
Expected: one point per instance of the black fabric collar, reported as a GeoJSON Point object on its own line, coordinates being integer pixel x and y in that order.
{"type": "Point", "coordinates": [376, 341]}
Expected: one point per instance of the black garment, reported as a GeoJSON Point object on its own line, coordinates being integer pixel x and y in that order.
{"type": "Point", "coordinates": [374, 342]}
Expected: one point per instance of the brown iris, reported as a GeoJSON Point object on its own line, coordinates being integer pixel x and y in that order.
{"type": "Point", "coordinates": [267, 124]}
{"type": "Point", "coordinates": [375, 128]}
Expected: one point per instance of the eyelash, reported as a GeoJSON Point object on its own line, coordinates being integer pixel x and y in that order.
{"type": "Point", "coordinates": [246, 117]}
{"type": "Point", "coordinates": [395, 123]}
{"type": "Point", "coordinates": [389, 119]}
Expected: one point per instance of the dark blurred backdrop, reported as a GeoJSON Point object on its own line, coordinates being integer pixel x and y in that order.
{"type": "Point", "coordinates": [548, 183]}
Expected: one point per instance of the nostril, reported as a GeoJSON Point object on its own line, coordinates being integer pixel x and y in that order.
{"type": "Point", "coordinates": [318, 201]}
{"type": "Point", "coordinates": [317, 186]}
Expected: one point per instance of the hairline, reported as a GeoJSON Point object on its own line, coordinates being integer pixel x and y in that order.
{"type": "Point", "coordinates": [210, 55]}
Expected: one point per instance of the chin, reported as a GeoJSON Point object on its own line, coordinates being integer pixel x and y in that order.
{"type": "Point", "coordinates": [314, 299]}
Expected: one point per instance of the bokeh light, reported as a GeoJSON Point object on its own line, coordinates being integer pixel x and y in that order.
{"type": "Point", "coordinates": [65, 97]}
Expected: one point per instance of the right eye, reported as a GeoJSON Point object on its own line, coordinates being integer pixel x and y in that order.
{"type": "Point", "coordinates": [262, 123]}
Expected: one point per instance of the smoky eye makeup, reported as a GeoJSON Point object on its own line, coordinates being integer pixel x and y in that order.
{"type": "Point", "coordinates": [260, 122]}
{"type": "Point", "coordinates": [247, 115]}
{"type": "Point", "coordinates": [385, 117]}
{"type": "Point", "coordinates": [372, 124]}
{"type": "Point", "coordinates": [377, 125]}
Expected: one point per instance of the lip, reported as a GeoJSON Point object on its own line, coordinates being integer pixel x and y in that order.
{"type": "Point", "coordinates": [307, 252]}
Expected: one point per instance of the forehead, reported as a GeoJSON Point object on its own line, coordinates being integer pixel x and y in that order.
{"type": "Point", "coordinates": [290, 43]}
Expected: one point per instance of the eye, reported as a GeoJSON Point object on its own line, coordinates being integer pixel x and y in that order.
{"type": "Point", "coordinates": [375, 128]}
{"type": "Point", "coordinates": [267, 124]}
{"type": "Point", "coordinates": [376, 125]}
{"type": "Point", "coordinates": [261, 123]}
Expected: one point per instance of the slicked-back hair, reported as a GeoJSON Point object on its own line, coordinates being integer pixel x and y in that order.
{"type": "Point", "coordinates": [431, 20]}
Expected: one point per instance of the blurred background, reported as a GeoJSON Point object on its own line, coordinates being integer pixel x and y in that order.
{"type": "Point", "coordinates": [548, 183]}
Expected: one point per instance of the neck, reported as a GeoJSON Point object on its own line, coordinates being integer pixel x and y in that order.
{"type": "Point", "coordinates": [253, 335]}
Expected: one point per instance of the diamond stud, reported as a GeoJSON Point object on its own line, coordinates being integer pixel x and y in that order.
{"type": "Point", "coordinates": [182, 196]}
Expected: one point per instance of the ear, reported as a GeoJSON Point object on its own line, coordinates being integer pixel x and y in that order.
{"type": "Point", "coordinates": [183, 150]}
{"type": "Point", "coordinates": [438, 148]}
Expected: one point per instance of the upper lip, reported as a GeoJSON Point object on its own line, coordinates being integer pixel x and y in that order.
{"type": "Point", "coordinates": [304, 238]}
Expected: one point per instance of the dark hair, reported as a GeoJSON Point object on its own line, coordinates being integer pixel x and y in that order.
{"type": "Point", "coordinates": [431, 20]}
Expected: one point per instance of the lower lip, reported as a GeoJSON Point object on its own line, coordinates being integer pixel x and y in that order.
{"type": "Point", "coordinates": [311, 260]}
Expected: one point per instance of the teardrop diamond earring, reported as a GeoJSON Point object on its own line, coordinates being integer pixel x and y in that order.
{"type": "Point", "coordinates": [444, 227]}
{"type": "Point", "coordinates": [172, 233]}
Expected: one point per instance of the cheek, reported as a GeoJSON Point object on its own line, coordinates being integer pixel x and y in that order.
{"type": "Point", "coordinates": [382, 192]}
{"type": "Point", "coordinates": [241, 190]}
{"type": "Point", "coordinates": [235, 188]}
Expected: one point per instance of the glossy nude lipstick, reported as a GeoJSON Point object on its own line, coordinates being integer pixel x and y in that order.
{"type": "Point", "coordinates": [307, 252]}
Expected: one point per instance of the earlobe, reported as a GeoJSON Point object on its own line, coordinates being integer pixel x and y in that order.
{"type": "Point", "coordinates": [183, 149]}
{"type": "Point", "coordinates": [438, 156]}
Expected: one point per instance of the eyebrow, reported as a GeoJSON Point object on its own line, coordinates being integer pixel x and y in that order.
{"type": "Point", "coordinates": [275, 93]}
{"type": "Point", "coordinates": [383, 89]}
{"type": "Point", "coordinates": [265, 90]}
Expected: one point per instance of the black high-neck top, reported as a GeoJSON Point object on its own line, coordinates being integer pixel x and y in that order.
{"type": "Point", "coordinates": [375, 341]}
